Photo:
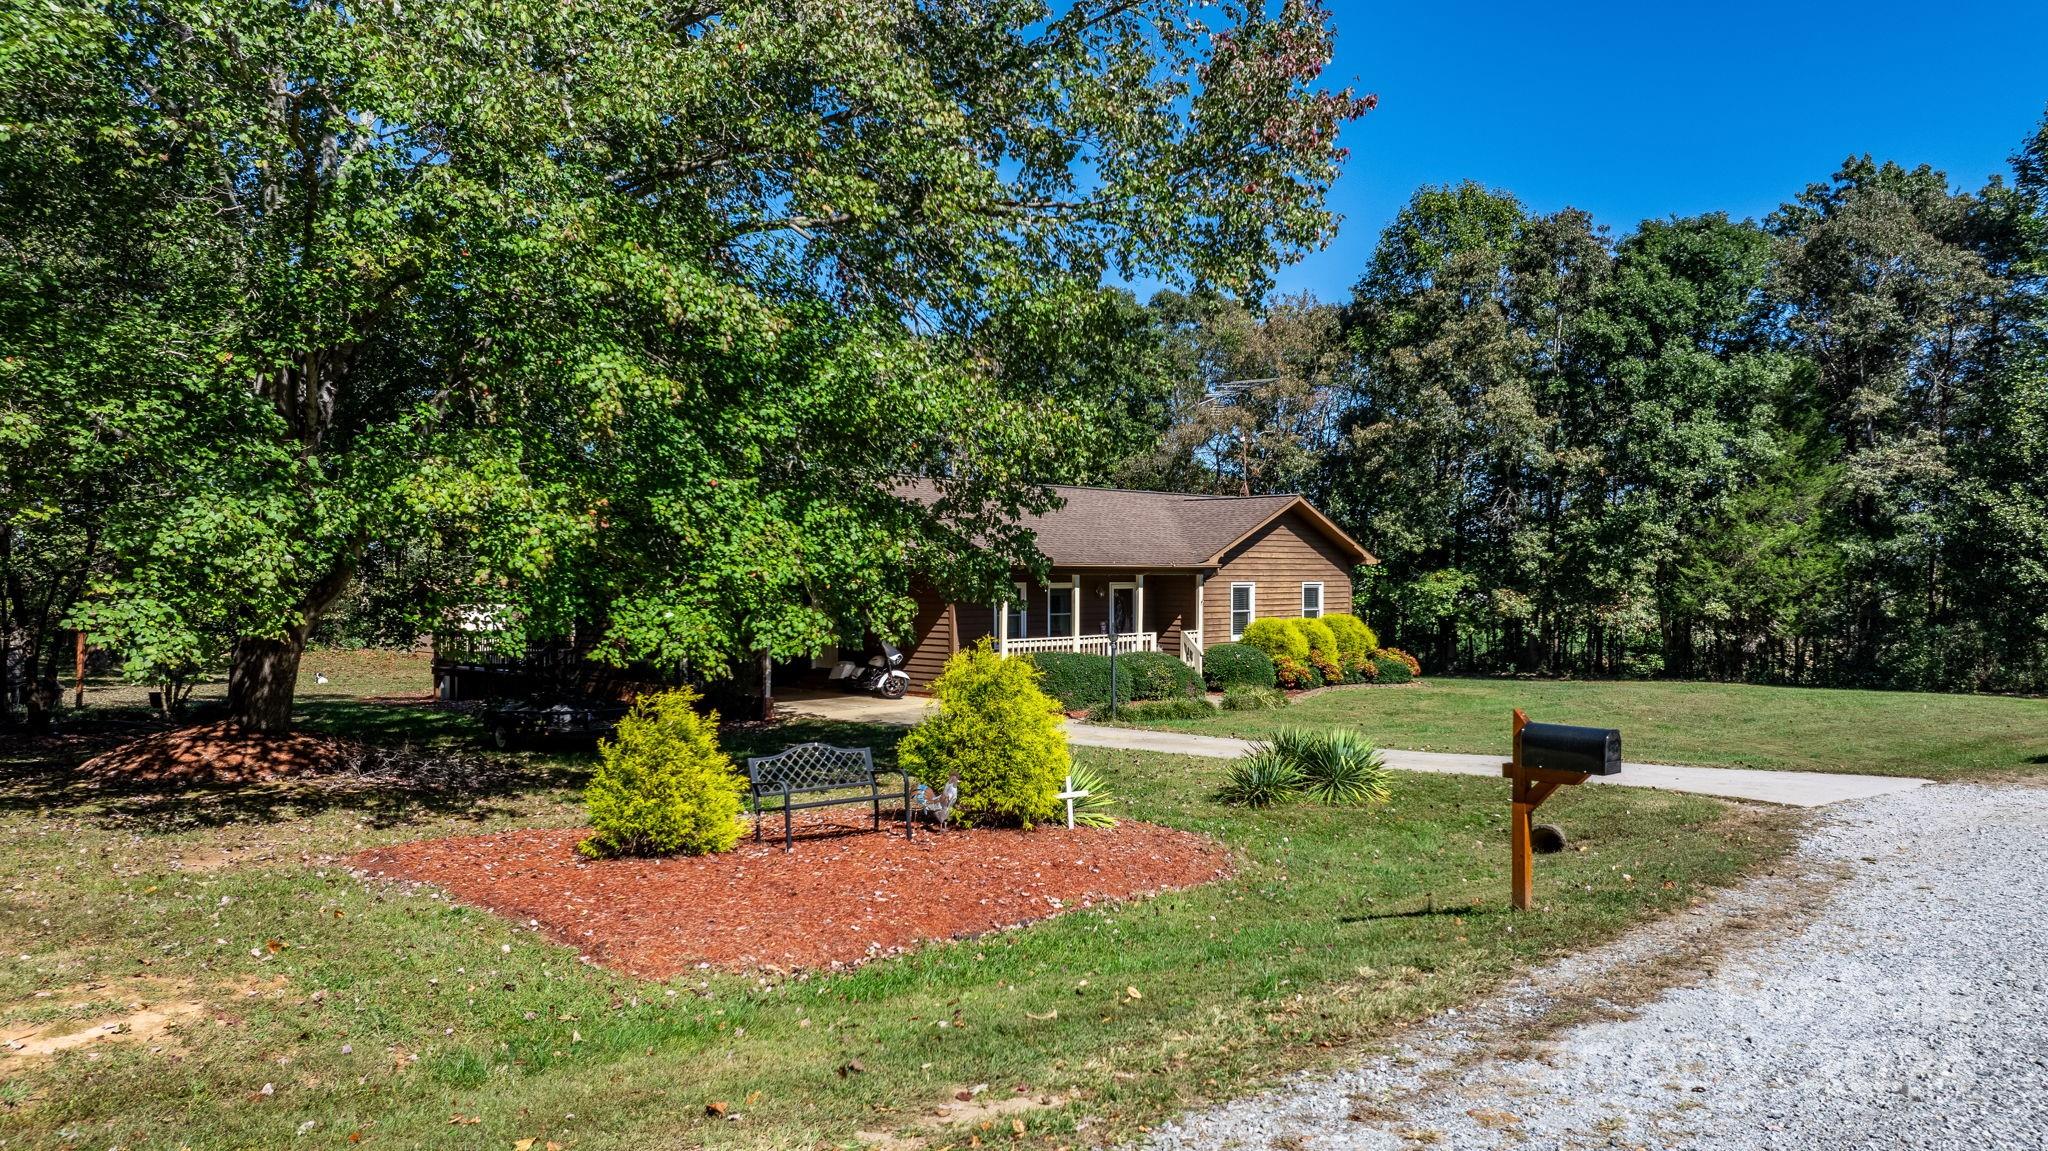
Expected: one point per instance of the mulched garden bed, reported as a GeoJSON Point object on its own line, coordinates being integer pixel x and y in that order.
{"type": "Point", "coordinates": [844, 896]}
{"type": "Point", "coordinates": [214, 753]}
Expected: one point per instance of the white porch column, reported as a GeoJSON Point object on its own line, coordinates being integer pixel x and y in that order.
{"type": "Point", "coordinates": [1003, 628]}
{"type": "Point", "coordinates": [1138, 604]}
{"type": "Point", "coordinates": [1201, 618]}
{"type": "Point", "coordinates": [1076, 614]}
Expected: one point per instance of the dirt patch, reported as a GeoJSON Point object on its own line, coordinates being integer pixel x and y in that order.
{"type": "Point", "coordinates": [214, 753]}
{"type": "Point", "coordinates": [845, 895]}
{"type": "Point", "coordinates": [143, 1010]}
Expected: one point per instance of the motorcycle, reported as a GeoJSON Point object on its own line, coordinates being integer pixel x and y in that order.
{"type": "Point", "coordinates": [882, 674]}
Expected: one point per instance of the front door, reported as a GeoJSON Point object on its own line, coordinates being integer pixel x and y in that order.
{"type": "Point", "coordinates": [1123, 602]}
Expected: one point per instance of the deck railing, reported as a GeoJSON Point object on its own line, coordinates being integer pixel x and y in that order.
{"type": "Point", "coordinates": [1191, 648]}
{"type": "Point", "coordinates": [1097, 644]}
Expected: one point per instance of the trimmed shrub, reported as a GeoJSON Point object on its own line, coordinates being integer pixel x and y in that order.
{"type": "Point", "coordinates": [1392, 668]}
{"type": "Point", "coordinates": [999, 731]}
{"type": "Point", "coordinates": [1157, 675]}
{"type": "Point", "coordinates": [1260, 778]}
{"type": "Point", "coordinates": [1179, 707]}
{"type": "Point", "coordinates": [1229, 665]}
{"type": "Point", "coordinates": [1414, 665]}
{"type": "Point", "coordinates": [1278, 640]}
{"type": "Point", "coordinates": [1294, 674]}
{"type": "Point", "coordinates": [1251, 697]}
{"type": "Point", "coordinates": [1336, 765]}
{"type": "Point", "coordinates": [662, 786]}
{"type": "Point", "coordinates": [1326, 668]}
{"type": "Point", "coordinates": [1320, 639]}
{"type": "Point", "coordinates": [1355, 641]}
{"type": "Point", "coordinates": [1080, 680]}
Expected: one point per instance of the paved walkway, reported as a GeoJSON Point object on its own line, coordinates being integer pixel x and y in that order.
{"type": "Point", "coordinates": [1791, 788]}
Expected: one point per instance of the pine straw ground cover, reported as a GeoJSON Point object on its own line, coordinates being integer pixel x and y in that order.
{"type": "Point", "coordinates": [302, 1004]}
{"type": "Point", "coordinates": [846, 894]}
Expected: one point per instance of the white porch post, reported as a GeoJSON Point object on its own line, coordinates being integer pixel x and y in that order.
{"type": "Point", "coordinates": [1138, 604]}
{"type": "Point", "coordinates": [1201, 618]}
{"type": "Point", "coordinates": [1076, 620]}
{"type": "Point", "coordinates": [1003, 628]}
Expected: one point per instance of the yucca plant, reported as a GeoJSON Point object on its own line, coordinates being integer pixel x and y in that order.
{"type": "Point", "coordinates": [1261, 777]}
{"type": "Point", "coordinates": [1092, 810]}
{"type": "Point", "coordinates": [1338, 766]}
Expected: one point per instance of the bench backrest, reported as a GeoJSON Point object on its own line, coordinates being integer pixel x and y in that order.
{"type": "Point", "coordinates": [811, 767]}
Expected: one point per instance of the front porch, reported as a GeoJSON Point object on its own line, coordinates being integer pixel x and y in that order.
{"type": "Point", "coordinates": [1104, 612]}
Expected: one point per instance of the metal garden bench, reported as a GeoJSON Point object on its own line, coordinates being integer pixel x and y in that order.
{"type": "Point", "coordinates": [801, 777]}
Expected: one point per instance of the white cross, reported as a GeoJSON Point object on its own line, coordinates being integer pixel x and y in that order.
{"type": "Point", "coordinates": [1070, 795]}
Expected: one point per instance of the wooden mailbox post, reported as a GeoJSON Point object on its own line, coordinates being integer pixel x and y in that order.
{"type": "Point", "coordinates": [1562, 755]}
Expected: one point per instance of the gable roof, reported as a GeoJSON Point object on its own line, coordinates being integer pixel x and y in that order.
{"type": "Point", "coordinates": [1120, 528]}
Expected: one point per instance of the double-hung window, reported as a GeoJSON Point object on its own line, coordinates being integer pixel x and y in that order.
{"type": "Point", "coordinates": [1243, 600]}
{"type": "Point", "coordinates": [1059, 611]}
{"type": "Point", "coordinates": [1311, 600]}
{"type": "Point", "coordinates": [1020, 614]}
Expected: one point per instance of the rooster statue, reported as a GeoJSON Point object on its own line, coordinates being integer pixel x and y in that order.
{"type": "Point", "coordinates": [938, 804]}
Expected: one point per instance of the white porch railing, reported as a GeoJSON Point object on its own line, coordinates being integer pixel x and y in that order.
{"type": "Point", "coordinates": [1191, 648]}
{"type": "Point", "coordinates": [1098, 644]}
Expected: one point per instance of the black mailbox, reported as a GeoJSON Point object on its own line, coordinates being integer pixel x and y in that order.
{"type": "Point", "coordinates": [1561, 747]}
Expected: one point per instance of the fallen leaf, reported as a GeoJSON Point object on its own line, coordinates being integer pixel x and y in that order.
{"type": "Point", "coordinates": [1017, 1126]}
{"type": "Point", "coordinates": [716, 1109]}
{"type": "Point", "coordinates": [524, 1144]}
{"type": "Point", "coordinates": [465, 1120]}
{"type": "Point", "coordinates": [1133, 993]}
{"type": "Point", "coordinates": [753, 1097]}
{"type": "Point", "coordinates": [851, 1067]}
{"type": "Point", "coordinates": [1053, 1014]}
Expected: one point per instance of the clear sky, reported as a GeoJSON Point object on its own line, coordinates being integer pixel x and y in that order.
{"type": "Point", "coordinates": [1632, 111]}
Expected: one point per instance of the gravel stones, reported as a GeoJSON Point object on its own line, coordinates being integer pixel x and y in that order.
{"type": "Point", "coordinates": [1910, 1010]}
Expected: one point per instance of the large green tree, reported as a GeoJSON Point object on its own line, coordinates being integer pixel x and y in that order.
{"type": "Point", "coordinates": [639, 309]}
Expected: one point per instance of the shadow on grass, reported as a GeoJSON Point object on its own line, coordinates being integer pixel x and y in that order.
{"type": "Point", "coordinates": [1411, 913]}
{"type": "Point", "coordinates": [432, 763]}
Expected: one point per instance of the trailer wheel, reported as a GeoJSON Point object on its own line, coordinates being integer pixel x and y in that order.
{"type": "Point", "coordinates": [502, 737]}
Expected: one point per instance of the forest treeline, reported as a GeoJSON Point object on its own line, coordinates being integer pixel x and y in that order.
{"type": "Point", "coordinates": [1807, 449]}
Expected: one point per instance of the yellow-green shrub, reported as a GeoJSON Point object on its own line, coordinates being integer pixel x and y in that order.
{"type": "Point", "coordinates": [1355, 640]}
{"type": "Point", "coordinates": [1276, 639]}
{"type": "Point", "coordinates": [1320, 639]}
{"type": "Point", "coordinates": [662, 786]}
{"type": "Point", "coordinates": [999, 731]}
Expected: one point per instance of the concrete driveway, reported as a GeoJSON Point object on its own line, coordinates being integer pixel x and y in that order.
{"type": "Point", "coordinates": [1790, 788]}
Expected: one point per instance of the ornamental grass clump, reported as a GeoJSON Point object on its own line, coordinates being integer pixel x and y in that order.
{"type": "Point", "coordinates": [1091, 810]}
{"type": "Point", "coordinates": [1261, 777]}
{"type": "Point", "coordinates": [662, 785]}
{"type": "Point", "coordinates": [1246, 697]}
{"type": "Point", "coordinates": [999, 731]}
{"type": "Point", "coordinates": [1338, 766]}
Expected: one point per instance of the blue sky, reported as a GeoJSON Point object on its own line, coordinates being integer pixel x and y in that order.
{"type": "Point", "coordinates": [1632, 111]}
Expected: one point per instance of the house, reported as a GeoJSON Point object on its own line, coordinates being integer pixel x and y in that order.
{"type": "Point", "coordinates": [1182, 573]}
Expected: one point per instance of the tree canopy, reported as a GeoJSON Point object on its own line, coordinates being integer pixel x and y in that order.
{"type": "Point", "coordinates": [629, 315]}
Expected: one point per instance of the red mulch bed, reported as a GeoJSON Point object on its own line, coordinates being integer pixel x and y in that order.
{"type": "Point", "coordinates": [844, 896]}
{"type": "Point", "coordinates": [213, 753]}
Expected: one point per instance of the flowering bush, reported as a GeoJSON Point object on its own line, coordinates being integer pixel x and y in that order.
{"type": "Point", "coordinates": [1320, 639]}
{"type": "Point", "coordinates": [1355, 642]}
{"type": "Point", "coordinates": [1294, 674]}
{"type": "Point", "coordinates": [1414, 665]}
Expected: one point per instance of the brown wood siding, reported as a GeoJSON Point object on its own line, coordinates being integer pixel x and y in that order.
{"type": "Point", "coordinates": [933, 629]}
{"type": "Point", "coordinates": [1279, 559]}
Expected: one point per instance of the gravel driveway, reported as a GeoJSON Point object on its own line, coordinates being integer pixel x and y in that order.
{"type": "Point", "coordinates": [1874, 994]}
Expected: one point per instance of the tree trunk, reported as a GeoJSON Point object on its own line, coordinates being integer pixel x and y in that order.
{"type": "Point", "coordinates": [262, 675]}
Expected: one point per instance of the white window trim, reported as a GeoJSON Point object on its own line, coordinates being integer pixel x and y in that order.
{"type": "Point", "coordinates": [1073, 605]}
{"type": "Point", "coordinates": [1305, 585]}
{"type": "Point", "coordinates": [1251, 608]}
{"type": "Point", "coordinates": [1022, 606]}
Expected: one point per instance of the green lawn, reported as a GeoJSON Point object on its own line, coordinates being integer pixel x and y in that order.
{"type": "Point", "coordinates": [1729, 725]}
{"type": "Point", "coordinates": [330, 1009]}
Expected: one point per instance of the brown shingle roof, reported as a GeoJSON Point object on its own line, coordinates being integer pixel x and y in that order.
{"type": "Point", "coordinates": [1119, 528]}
